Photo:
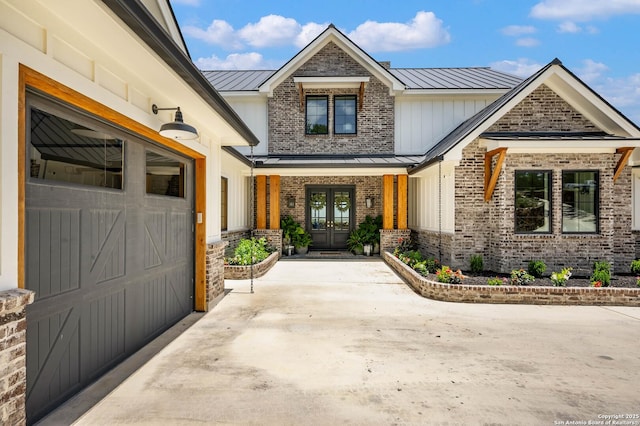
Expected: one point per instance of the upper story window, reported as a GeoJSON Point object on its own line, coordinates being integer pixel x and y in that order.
{"type": "Point", "coordinates": [580, 209]}
{"type": "Point", "coordinates": [533, 201]}
{"type": "Point", "coordinates": [344, 114]}
{"type": "Point", "coordinates": [317, 122]}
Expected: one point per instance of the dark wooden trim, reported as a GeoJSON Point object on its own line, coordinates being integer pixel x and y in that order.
{"type": "Point", "coordinates": [274, 201]}
{"type": "Point", "coordinates": [261, 202]}
{"type": "Point", "coordinates": [387, 201]}
{"type": "Point", "coordinates": [402, 201]}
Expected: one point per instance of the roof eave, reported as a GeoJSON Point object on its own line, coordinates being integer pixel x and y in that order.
{"type": "Point", "coordinates": [134, 14]}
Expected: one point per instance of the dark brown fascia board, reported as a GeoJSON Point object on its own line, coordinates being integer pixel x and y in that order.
{"type": "Point", "coordinates": [237, 155]}
{"type": "Point", "coordinates": [135, 16]}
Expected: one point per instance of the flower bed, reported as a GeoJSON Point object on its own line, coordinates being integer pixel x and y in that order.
{"type": "Point", "coordinates": [243, 272]}
{"type": "Point", "coordinates": [531, 295]}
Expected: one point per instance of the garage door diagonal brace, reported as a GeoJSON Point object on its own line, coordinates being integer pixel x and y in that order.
{"type": "Point", "coordinates": [491, 177]}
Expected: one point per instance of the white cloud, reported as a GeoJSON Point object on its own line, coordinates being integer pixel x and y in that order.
{"type": "Point", "coordinates": [219, 33]}
{"type": "Point", "coordinates": [237, 61]}
{"type": "Point", "coordinates": [584, 10]}
{"type": "Point", "coordinates": [522, 67]}
{"type": "Point", "coordinates": [518, 30]}
{"type": "Point", "coordinates": [309, 32]}
{"type": "Point", "coordinates": [424, 30]}
{"type": "Point", "coordinates": [569, 27]}
{"type": "Point", "coordinates": [271, 30]}
{"type": "Point", "coordinates": [527, 42]}
{"type": "Point", "coordinates": [591, 71]}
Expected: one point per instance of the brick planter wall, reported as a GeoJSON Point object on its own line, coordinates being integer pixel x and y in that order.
{"type": "Point", "coordinates": [215, 272]}
{"type": "Point", "coordinates": [237, 272]}
{"type": "Point", "coordinates": [527, 295]}
{"type": "Point", "coordinates": [389, 238]}
{"type": "Point", "coordinates": [13, 351]}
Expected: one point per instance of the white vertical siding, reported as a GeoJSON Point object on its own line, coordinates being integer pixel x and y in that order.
{"type": "Point", "coordinates": [237, 192]}
{"type": "Point", "coordinates": [421, 121]}
{"type": "Point", "coordinates": [253, 111]}
{"type": "Point", "coordinates": [431, 199]}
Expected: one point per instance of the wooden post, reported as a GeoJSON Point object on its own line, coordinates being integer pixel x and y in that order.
{"type": "Point", "coordinates": [402, 201]}
{"type": "Point", "coordinates": [274, 202]}
{"type": "Point", "coordinates": [387, 202]}
{"type": "Point", "coordinates": [261, 202]}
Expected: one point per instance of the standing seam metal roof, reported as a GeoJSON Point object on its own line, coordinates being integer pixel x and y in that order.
{"type": "Point", "coordinates": [413, 78]}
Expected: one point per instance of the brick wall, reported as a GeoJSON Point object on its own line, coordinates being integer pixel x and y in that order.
{"type": "Point", "coordinates": [365, 186]}
{"type": "Point", "coordinates": [375, 122]}
{"type": "Point", "coordinates": [273, 237]}
{"type": "Point", "coordinates": [488, 228]}
{"type": "Point", "coordinates": [13, 349]}
{"type": "Point", "coordinates": [390, 238]}
{"type": "Point", "coordinates": [215, 272]}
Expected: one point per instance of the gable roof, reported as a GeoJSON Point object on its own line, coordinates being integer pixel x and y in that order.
{"type": "Point", "coordinates": [332, 34]}
{"type": "Point", "coordinates": [561, 80]}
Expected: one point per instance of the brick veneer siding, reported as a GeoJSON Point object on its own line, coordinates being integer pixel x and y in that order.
{"type": "Point", "coordinates": [528, 295]}
{"type": "Point", "coordinates": [237, 272]}
{"type": "Point", "coordinates": [233, 238]}
{"type": "Point", "coordinates": [365, 186]}
{"type": "Point", "coordinates": [375, 121]}
{"type": "Point", "coordinates": [487, 229]}
{"type": "Point", "coordinates": [13, 351]}
{"type": "Point", "coordinates": [435, 245]}
{"type": "Point", "coordinates": [215, 272]}
{"type": "Point", "coordinates": [390, 238]}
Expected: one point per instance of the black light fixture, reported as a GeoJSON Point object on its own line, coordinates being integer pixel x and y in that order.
{"type": "Point", "coordinates": [368, 202]}
{"type": "Point", "coordinates": [291, 201]}
{"type": "Point", "coordinates": [177, 129]}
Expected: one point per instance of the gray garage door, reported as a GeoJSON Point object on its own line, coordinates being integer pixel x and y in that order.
{"type": "Point", "coordinates": [108, 248]}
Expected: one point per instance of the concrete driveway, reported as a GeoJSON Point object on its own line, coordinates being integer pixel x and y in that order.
{"type": "Point", "coordinates": [335, 342]}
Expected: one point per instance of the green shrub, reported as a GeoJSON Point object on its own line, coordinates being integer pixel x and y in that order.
{"type": "Point", "coordinates": [521, 277]}
{"type": "Point", "coordinates": [496, 281]}
{"type": "Point", "coordinates": [603, 276]}
{"type": "Point", "coordinates": [537, 268]}
{"type": "Point", "coordinates": [602, 273]}
{"type": "Point", "coordinates": [410, 257]}
{"type": "Point", "coordinates": [476, 263]}
{"type": "Point", "coordinates": [635, 267]}
{"type": "Point", "coordinates": [250, 252]}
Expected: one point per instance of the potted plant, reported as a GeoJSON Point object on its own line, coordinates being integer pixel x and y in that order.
{"type": "Point", "coordinates": [371, 234]}
{"type": "Point", "coordinates": [356, 241]}
{"type": "Point", "coordinates": [301, 240]}
{"type": "Point", "coordinates": [289, 227]}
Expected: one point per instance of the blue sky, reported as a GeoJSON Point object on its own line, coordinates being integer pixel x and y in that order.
{"type": "Point", "coordinates": [596, 39]}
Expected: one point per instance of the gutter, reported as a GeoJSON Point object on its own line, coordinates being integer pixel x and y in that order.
{"type": "Point", "coordinates": [144, 25]}
{"type": "Point", "coordinates": [424, 165]}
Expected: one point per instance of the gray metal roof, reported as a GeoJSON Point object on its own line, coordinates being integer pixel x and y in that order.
{"type": "Point", "coordinates": [237, 80]}
{"type": "Point", "coordinates": [337, 161]}
{"type": "Point", "coordinates": [413, 78]}
{"type": "Point", "coordinates": [454, 78]}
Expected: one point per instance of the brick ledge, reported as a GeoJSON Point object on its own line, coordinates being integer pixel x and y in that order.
{"type": "Point", "coordinates": [527, 295]}
{"type": "Point", "coordinates": [239, 272]}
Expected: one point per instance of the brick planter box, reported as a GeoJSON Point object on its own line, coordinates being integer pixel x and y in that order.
{"type": "Point", "coordinates": [237, 272]}
{"type": "Point", "coordinates": [527, 295]}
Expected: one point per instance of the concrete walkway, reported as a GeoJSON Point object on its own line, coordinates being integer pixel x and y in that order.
{"type": "Point", "coordinates": [329, 342]}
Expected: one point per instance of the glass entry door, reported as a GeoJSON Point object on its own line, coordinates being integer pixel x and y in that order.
{"type": "Point", "coordinates": [330, 213]}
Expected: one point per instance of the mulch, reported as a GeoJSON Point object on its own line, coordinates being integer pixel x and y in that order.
{"type": "Point", "coordinates": [623, 281]}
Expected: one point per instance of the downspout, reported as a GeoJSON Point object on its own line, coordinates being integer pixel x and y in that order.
{"type": "Point", "coordinates": [440, 211]}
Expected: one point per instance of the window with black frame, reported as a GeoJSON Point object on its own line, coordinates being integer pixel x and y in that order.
{"type": "Point", "coordinates": [580, 211]}
{"type": "Point", "coordinates": [317, 115]}
{"type": "Point", "coordinates": [344, 115]}
{"type": "Point", "coordinates": [533, 201]}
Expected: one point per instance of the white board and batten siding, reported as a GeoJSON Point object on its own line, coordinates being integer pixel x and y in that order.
{"type": "Point", "coordinates": [432, 199]}
{"type": "Point", "coordinates": [239, 191]}
{"type": "Point", "coordinates": [422, 121]}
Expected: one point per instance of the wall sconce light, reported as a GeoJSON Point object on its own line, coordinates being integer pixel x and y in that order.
{"type": "Point", "coordinates": [291, 201]}
{"type": "Point", "coordinates": [368, 202]}
{"type": "Point", "coordinates": [177, 129]}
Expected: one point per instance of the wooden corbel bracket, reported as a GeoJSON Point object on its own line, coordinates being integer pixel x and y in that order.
{"type": "Point", "coordinates": [622, 162]}
{"type": "Point", "coordinates": [491, 177]}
